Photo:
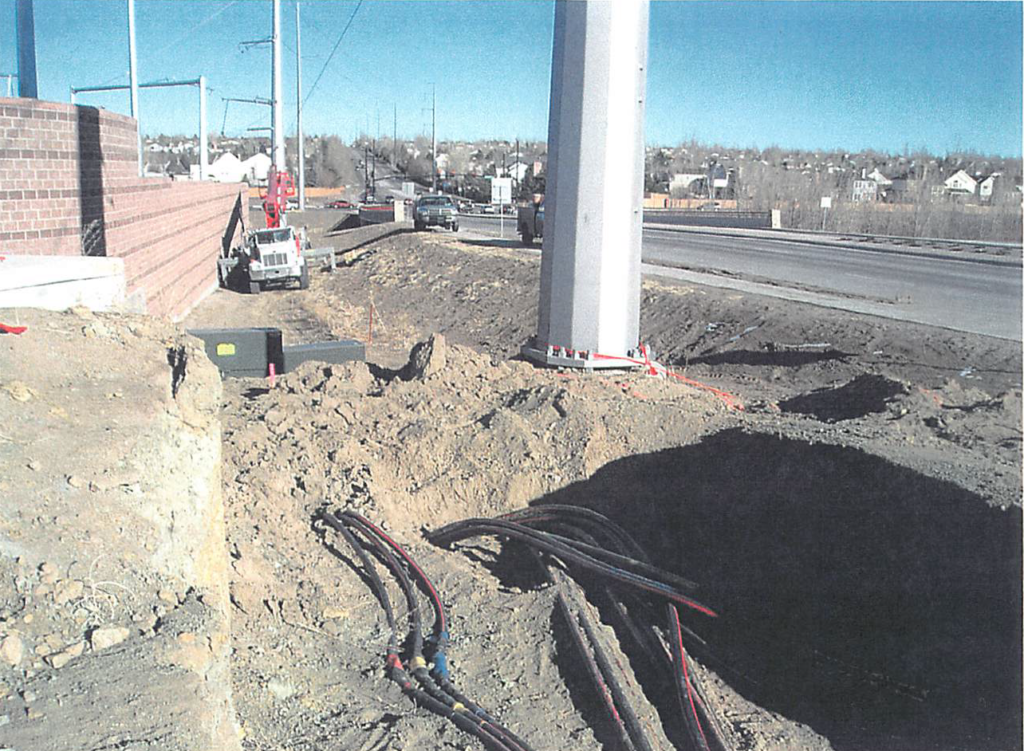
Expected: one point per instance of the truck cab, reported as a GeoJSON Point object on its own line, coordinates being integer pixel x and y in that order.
{"type": "Point", "coordinates": [530, 222]}
{"type": "Point", "coordinates": [275, 257]}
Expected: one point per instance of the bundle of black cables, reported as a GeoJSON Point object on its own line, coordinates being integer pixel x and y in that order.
{"type": "Point", "coordinates": [432, 689]}
{"type": "Point", "coordinates": [593, 546]}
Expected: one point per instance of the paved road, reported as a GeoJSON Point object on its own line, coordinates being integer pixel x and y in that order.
{"type": "Point", "coordinates": [972, 294]}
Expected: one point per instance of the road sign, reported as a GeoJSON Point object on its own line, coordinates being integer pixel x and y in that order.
{"type": "Point", "coordinates": [826, 202]}
{"type": "Point", "coordinates": [501, 190]}
{"type": "Point", "coordinates": [409, 189]}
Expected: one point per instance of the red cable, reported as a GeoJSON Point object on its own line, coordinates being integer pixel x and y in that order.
{"type": "Point", "coordinates": [5, 329]}
{"type": "Point", "coordinates": [686, 674]}
{"type": "Point", "coordinates": [419, 572]}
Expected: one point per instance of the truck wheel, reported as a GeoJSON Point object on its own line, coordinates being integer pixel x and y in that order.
{"type": "Point", "coordinates": [527, 238]}
{"type": "Point", "coordinates": [455, 227]}
{"type": "Point", "coordinates": [304, 278]}
{"type": "Point", "coordinates": [254, 288]}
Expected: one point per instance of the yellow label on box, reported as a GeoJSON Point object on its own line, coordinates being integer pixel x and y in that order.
{"type": "Point", "coordinates": [225, 350]}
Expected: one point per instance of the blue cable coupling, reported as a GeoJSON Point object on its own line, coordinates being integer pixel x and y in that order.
{"type": "Point", "coordinates": [440, 658]}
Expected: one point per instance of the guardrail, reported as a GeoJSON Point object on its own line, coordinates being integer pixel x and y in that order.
{"type": "Point", "coordinates": [906, 239]}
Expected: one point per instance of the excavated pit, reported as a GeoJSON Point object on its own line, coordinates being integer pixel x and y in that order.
{"type": "Point", "coordinates": [877, 605]}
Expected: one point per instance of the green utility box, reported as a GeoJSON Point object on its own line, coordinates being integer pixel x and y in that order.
{"type": "Point", "coordinates": [248, 353]}
{"type": "Point", "coordinates": [243, 352]}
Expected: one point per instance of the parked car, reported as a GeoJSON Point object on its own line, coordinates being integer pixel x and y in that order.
{"type": "Point", "coordinates": [436, 211]}
{"type": "Point", "coordinates": [339, 204]}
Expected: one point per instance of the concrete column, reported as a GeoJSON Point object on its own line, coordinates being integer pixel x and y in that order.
{"type": "Point", "coordinates": [590, 268]}
{"type": "Point", "coordinates": [204, 153]}
{"type": "Point", "coordinates": [25, 23]}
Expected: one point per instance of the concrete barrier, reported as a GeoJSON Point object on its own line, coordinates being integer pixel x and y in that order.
{"type": "Point", "coordinates": [376, 214]}
{"type": "Point", "coordinates": [719, 218]}
{"type": "Point", "coordinates": [58, 283]}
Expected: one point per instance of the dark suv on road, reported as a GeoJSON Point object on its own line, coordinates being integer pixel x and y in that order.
{"type": "Point", "coordinates": [436, 210]}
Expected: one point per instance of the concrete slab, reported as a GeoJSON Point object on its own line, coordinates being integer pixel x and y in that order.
{"type": "Point", "coordinates": [61, 282]}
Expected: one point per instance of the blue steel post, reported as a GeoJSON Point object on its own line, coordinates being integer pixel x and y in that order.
{"type": "Point", "coordinates": [25, 22]}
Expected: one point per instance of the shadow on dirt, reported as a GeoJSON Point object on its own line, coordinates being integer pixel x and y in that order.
{"type": "Point", "coordinates": [875, 604]}
{"type": "Point", "coordinates": [512, 244]}
{"type": "Point", "coordinates": [865, 394]}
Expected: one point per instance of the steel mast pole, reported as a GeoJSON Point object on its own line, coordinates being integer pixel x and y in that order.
{"type": "Point", "coordinates": [133, 76]}
{"type": "Point", "coordinates": [433, 138]}
{"type": "Point", "coordinates": [301, 146]}
{"type": "Point", "coordinates": [24, 20]}
{"type": "Point", "coordinates": [277, 125]}
{"type": "Point", "coordinates": [204, 154]}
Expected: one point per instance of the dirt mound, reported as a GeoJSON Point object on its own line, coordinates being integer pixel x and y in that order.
{"type": "Point", "coordinates": [832, 548]}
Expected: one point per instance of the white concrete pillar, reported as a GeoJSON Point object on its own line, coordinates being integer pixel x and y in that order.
{"type": "Point", "coordinates": [590, 268]}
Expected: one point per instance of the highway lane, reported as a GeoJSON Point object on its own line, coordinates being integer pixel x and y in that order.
{"type": "Point", "coordinates": [966, 294]}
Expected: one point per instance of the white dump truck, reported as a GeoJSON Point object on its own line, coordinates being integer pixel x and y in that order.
{"type": "Point", "coordinates": [267, 257]}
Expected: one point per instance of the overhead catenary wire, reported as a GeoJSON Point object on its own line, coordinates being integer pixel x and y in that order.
{"type": "Point", "coordinates": [333, 50]}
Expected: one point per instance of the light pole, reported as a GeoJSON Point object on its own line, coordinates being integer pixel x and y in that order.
{"type": "Point", "coordinates": [277, 140]}
{"type": "Point", "coordinates": [133, 78]}
{"type": "Point", "coordinates": [301, 146]}
{"type": "Point", "coordinates": [433, 138]}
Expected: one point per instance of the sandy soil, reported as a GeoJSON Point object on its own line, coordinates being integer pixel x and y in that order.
{"type": "Point", "coordinates": [858, 524]}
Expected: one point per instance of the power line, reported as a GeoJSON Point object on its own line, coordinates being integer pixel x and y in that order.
{"type": "Point", "coordinates": [331, 56]}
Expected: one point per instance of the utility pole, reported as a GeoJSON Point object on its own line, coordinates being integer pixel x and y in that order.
{"type": "Point", "coordinates": [433, 138]}
{"type": "Point", "coordinates": [516, 191]}
{"type": "Point", "coordinates": [133, 79]}
{"type": "Point", "coordinates": [298, 116]}
{"type": "Point", "coordinates": [277, 94]}
{"type": "Point", "coordinates": [394, 141]}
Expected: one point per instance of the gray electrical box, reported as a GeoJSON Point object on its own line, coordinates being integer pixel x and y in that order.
{"type": "Point", "coordinates": [346, 350]}
{"type": "Point", "coordinates": [243, 352]}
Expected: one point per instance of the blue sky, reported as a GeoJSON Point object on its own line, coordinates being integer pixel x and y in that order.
{"type": "Point", "coordinates": [850, 75]}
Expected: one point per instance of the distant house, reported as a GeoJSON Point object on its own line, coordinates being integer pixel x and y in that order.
{"type": "Point", "coordinates": [517, 171]}
{"type": "Point", "coordinates": [989, 185]}
{"type": "Point", "coordinates": [228, 168]}
{"type": "Point", "coordinates": [684, 182]}
{"type": "Point", "coordinates": [722, 181]}
{"type": "Point", "coordinates": [960, 183]}
{"type": "Point", "coordinates": [256, 167]}
{"type": "Point", "coordinates": [878, 177]}
{"type": "Point", "coordinates": [864, 189]}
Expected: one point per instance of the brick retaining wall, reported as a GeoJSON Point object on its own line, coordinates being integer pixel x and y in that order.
{"type": "Point", "coordinates": [69, 185]}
